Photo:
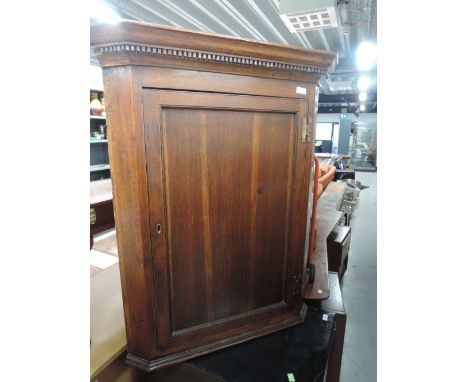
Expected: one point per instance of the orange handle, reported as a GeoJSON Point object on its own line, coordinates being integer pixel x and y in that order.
{"type": "Point", "coordinates": [314, 208]}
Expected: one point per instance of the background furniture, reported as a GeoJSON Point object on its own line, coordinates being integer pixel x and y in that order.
{"type": "Point", "coordinates": [334, 305]}
{"type": "Point", "coordinates": [346, 173]}
{"type": "Point", "coordinates": [210, 141]}
{"type": "Point", "coordinates": [101, 206]}
{"type": "Point", "coordinates": [338, 248]}
{"type": "Point", "coordinates": [328, 216]}
{"type": "Point", "coordinates": [99, 154]}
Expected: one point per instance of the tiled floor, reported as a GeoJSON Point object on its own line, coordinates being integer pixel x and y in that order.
{"type": "Point", "coordinates": [359, 288]}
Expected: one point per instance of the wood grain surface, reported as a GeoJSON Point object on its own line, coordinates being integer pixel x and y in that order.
{"type": "Point", "coordinates": [165, 36]}
{"type": "Point", "coordinates": [224, 165]}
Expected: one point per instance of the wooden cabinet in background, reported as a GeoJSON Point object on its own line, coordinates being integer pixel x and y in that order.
{"type": "Point", "coordinates": [210, 144]}
{"type": "Point", "coordinates": [101, 206]}
{"type": "Point", "coordinates": [338, 249]}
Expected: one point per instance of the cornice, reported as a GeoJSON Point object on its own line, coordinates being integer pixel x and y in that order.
{"type": "Point", "coordinates": [128, 47]}
{"type": "Point", "coordinates": [136, 39]}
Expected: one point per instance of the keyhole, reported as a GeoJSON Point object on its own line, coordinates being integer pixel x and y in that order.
{"type": "Point", "coordinates": [158, 228]}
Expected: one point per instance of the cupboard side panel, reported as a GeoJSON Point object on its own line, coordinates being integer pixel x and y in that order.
{"type": "Point", "coordinates": [129, 184]}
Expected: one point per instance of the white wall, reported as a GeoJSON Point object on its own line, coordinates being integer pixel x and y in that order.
{"type": "Point", "coordinates": [95, 78]}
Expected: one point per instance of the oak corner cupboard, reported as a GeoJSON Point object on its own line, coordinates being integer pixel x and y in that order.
{"type": "Point", "coordinates": [210, 147]}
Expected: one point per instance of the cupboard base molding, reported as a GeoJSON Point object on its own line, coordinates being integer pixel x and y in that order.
{"type": "Point", "coordinates": [172, 359]}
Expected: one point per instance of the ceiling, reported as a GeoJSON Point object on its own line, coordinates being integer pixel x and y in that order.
{"type": "Point", "coordinates": [260, 20]}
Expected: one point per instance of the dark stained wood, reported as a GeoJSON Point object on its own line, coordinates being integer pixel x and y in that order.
{"type": "Point", "coordinates": [224, 221]}
{"type": "Point", "coordinates": [210, 182]}
{"type": "Point", "coordinates": [104, 216]}
{"type": "Point", "coordinates": [239, 174]}
{"type": "Point", "coordinates": [129, 188]}
{"type": "Point", "coordinates": [338, 247]}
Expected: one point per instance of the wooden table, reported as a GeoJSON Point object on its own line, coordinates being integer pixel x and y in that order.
{"type": "Point", "coordinates": [306, 346]}
{"type": "Point", "coordinates": [327, 218]}
{"type": "Point", "coordinates": [108, 339]}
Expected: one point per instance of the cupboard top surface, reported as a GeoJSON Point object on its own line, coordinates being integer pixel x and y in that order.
{"type": "Point", "coordinates": [138, 39]}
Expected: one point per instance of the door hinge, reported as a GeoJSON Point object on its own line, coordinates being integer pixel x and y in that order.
{"type": "Point", "coordinates": [306, 130]}
{"type": "Point", "coordinates": [296, 285]}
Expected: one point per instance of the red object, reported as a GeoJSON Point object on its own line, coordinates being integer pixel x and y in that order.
{"type": "Point", "coordinates": [314, 207]}
{"type": "Point", "coordinates": [324, 174]}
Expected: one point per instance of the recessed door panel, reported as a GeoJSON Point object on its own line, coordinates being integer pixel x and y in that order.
{"type": "Point", "coordinates": [221, 172]}
{"type": "Point", "coordinates": [228, 189]}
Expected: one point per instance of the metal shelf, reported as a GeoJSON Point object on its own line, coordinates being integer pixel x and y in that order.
{"type": "Point", "coordinates": [99, 167]}
{"type": "Point", "coordinates": [97, 117]}
{"type": "Point", "coordinates": [98, 141]}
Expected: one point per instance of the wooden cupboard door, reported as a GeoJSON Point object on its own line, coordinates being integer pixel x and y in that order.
{"type": "Point", "coordinates": [225, 191]}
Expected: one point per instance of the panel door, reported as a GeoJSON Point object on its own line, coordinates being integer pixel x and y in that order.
{"type": "Point", "coordinates": [227, 197]}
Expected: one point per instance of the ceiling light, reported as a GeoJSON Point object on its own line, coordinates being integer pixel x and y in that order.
{"type": "Point", "coordinates": [362, 96]}
{"type": "Point", "coordinates": [362, 107]}
{"type": "Point", "coordinates": [309, 15]}
{"type": "Point", "coordinates": [363, 83]}
{"type": "Point", "coordinates": [100, 11]}
{"type": "Point", "coordinates": [366, 55]}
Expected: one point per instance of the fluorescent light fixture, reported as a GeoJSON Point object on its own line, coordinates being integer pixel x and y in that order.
{"type": "Point", "coordinates": [100, 11]}
{"type": "Point", "coordinates": [363, 83]}
{"type": "Point", "coordinates": [362, 96]}
{"type": "Point", "coordinates": [362, 107]}
{"type": "Point", "coordinates": [366, 55]}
